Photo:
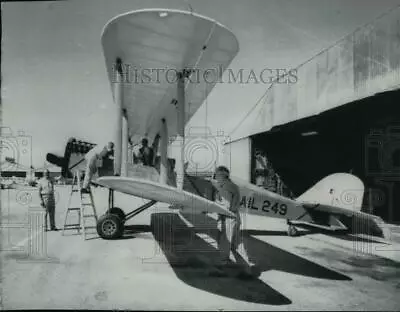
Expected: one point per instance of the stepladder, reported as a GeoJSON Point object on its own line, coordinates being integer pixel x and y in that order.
{"type": "Point", "coordinates": [82, 203]}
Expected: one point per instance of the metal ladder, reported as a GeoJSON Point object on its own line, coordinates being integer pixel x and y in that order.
{"type": "Point", "coordinates": [86, 201]}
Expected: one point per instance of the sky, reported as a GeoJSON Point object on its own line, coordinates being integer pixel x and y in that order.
{"type": "Point", "coordinates": [54, 81]}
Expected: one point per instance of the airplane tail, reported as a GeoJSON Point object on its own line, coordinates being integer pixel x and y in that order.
{"type": "Point", "coordinates": [341, 195]}
{"type": "Point", "coordinates": [341, 190]}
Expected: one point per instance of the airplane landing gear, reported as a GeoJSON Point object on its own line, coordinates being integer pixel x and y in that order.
{"type": "Point", "coordinates": [292, 231]}
{"type": "Point", "coordinates": [119, 212]}
{"type": "Point", "coordinates": [110, 226]}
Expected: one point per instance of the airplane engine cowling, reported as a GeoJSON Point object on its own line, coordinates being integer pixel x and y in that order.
{"type": "Point", "coordinates": [73, 148]}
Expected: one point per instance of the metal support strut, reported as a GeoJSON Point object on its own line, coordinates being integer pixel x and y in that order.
{"type": "Point", "coordinates": [110, 200]}
{"type": "Point", "coordinates": [140, 209]}
{"type": "Point", "coordinates": [111, 225]}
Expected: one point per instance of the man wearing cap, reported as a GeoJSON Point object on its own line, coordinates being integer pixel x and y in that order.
{"type": "Point", "coordinates": [230, 238]}
{"type": "Point", "coordinates": [95, 161]}
{"type": "Point", "coordinates": [47, 201]}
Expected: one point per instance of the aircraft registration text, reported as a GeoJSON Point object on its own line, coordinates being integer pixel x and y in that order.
{"type": "Point", "coordinates": [267, 206]}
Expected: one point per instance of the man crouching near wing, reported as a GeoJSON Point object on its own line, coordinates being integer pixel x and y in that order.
{"type": "Point", "coordinates": [98, 157]}
{"type": "Point", "coordinates": [230, 238]}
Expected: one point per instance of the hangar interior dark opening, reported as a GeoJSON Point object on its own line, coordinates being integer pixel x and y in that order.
{"type": "Point", "coordinates": [362, 138]}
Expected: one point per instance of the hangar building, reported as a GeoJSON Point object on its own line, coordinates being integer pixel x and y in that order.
{"type": "Point", "coordinates": [341, 115]}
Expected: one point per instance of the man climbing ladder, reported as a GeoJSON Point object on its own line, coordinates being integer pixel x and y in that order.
{"type": "Point", "coordinates": [86, 201]}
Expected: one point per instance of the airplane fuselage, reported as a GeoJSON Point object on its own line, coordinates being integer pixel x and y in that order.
{"type": "Point", "coordinates": [258, 201]}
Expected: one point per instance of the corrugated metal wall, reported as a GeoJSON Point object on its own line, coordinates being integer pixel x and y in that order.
{"type": "Point", "coordinates": [362, 64]}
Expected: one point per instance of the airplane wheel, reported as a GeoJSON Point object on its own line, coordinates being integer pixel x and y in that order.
{"type": "Point", "coordinates": [119, 212]}
{"type": "Point", "coordinates": [292, 231]}
{"type": "Point", "coordinates": [110, 226]}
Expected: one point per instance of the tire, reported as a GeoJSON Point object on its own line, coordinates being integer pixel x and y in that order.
{"type": "Point", "coordinates": [292, 231]}
{"type": "Point", "coordinates": [110, 226]}
{"type": "Point", "coordinates": [119, 212]}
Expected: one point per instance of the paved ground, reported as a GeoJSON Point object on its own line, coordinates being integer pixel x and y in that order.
{"type": "Point", "coordinates": [142, 271]}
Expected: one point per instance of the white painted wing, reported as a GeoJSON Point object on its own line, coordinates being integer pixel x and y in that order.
{"type": "Point", "coordinates": [157, 43]}
{"type": "Point", "coordinates": [163, 193]}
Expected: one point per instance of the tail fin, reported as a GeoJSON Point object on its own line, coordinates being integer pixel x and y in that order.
{"type": "Point", "coordinates": [339, 189]}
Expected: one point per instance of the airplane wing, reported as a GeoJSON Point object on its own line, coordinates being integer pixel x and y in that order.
{"type": "Point", "coordinates": [153, 44]}
{"type": "Point", "coordinates": [151, 190]}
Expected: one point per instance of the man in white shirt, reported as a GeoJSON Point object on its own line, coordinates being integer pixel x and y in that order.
{"type": "Point", "coordinates": [47, 200]}
{"type": "Point", "coordinates": [94, 157]}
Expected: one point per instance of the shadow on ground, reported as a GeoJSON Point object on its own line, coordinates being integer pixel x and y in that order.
{"type": "Point", "coordinates": [189, 255]}
{"type": "Point", "coordinates": [362, 263]}
{"type": "Point", "coordinates": [132, 231]}
{"type": "Point", "coordinates": [137, 230]}
{"type": "Point", "coordinates": [340, 234]}
{"type": "Point", "coordinates": [269, 257]}
{"type": "Point", "coordinates": [310, 230]}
